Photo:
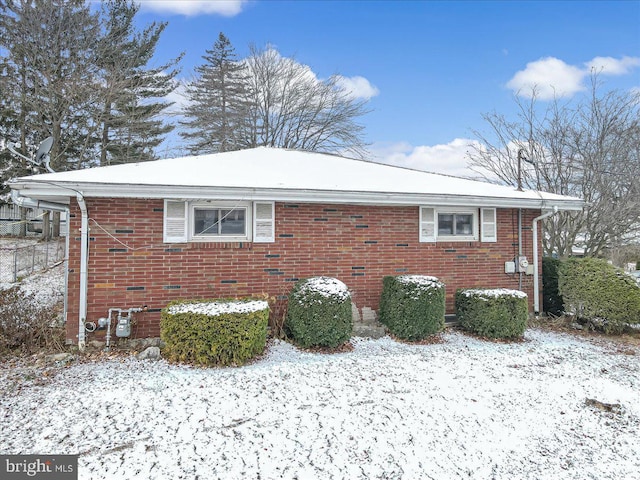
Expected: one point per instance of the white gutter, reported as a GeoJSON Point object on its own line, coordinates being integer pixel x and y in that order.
{"type": "Point", "coordinates": [519, 200]}
{"type": "Point", "coordinates": [536, 281]}
{"type": "Point", "coordinates": [84, 261]}
{"type": "Point", "coordinates": [21, 201]}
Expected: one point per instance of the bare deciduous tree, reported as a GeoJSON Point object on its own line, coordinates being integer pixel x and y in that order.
{"type": "Point", "coordinates": [294, 109]}
{"type": "Point", "coordinates": [269, 100]}
{"type": "Point", "coordinates": [590, 149]}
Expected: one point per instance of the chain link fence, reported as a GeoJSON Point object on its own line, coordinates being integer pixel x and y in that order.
{"type": "Point", "coordinates": [20, 258]}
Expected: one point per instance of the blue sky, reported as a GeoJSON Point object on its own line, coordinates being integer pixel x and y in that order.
{"type": "Point", "coordinates": [430, 69]}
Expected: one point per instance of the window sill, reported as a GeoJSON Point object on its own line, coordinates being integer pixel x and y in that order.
{"type": "Point", "coordinates": [202, 245]}
{"type": "Point", "coordinates": [454, 239]}
{"type": "Point", "coordinates": [218, 239]}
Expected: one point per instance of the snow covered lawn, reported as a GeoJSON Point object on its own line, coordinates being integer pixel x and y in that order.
{"type": "Point", "coordinates": [464, 408]}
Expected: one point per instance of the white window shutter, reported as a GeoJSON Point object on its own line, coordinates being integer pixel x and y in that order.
{"type": "Point", "coordinates": [175, 222]}
{"type": "Point", "coordinates": [488, 225]}
{"type": "Point", "coordinates": [427, 224]}
{"type": "Point", "coordinates": [264, 222]}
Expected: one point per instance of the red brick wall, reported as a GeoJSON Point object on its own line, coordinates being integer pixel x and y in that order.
{"type": "Point", "coordinates": [357, 244]}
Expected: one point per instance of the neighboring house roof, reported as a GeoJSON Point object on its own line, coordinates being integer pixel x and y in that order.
{"type": "Point", "coordinates": [282, 175]}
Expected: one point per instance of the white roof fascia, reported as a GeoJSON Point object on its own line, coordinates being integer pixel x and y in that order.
{"type": "Point", "coordinates": [38, 189]}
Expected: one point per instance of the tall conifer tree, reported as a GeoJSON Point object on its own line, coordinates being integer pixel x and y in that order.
{"type": "Point", "coordinates": [132, 92]}
{"type": "Point", "coordinates": [218, 101]}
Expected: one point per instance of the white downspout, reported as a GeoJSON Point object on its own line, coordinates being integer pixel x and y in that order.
{"type": "Point", "coordinates": [84, 261]}
{"type": "Point", "coordinates": [536, 280]}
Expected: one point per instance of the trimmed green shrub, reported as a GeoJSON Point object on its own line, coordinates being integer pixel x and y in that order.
{"type": "Point", "coordinates": [551, 298]}
{"type": "Point", "coordinates": [498, 313]}
{"type": "Point", "coordinates": [412, 306]}
{"type": "Point", "coordinates": [319, 313]}
{"type": "Point", "coordinates": [600, 293]}
{"type": "Point", "coordinates": [214, 332]}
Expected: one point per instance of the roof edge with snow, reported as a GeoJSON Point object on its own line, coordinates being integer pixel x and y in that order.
{"type": "Point", "coordinates": [282, 175]}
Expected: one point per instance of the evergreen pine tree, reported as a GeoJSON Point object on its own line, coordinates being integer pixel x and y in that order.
{"type": "Point", "coordinates": [131, 96]}
{"type": "Point", "coordinates": [217, 115]}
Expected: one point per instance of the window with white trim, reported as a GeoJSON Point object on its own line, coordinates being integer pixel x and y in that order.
{"type": "Point", "coordinates": [218, 221]}
{"type": "Point", "coordinates": [454, 224]}
{"type": "Point", "coordinates": [211, 221]}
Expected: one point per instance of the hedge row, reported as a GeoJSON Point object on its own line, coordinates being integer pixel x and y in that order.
{"type": "Point", "coordinates": [215, 332]}
{"type": "Point", "coordinates": [319, 314]}
{"type": "Point", "coordinates": [599, 293]}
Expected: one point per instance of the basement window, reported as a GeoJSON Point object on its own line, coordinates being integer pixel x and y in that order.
{"type": "Point", "coordinates": [457, 224]}
{"type": "Point", "coordinates": [218, 221]}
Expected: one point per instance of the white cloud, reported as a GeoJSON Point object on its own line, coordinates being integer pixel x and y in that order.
{"type": "Point", "coordinates": [189, 8]}
{"type": "Point", "coordinates": [449, 159]}
{"type": "Point", "coordinates": [613, 66]}
{"type": "Point", "coordinates": [551, 77]}
{"type": "Point", "coordinates": [357, 87]}
{"type": "Point", "coordinates": [548, 78]}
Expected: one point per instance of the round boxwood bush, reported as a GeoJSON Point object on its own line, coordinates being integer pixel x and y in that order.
{"type": "Point", "coordinates": [599, 293]}
{"type": "Point", "coordinates": [214, 332]}
{"type": "Point", "coordinates": [319, 313]}
{"type": "Point", "coordinates": [551, 298]}
{"type": "Point", "coordinates": [412, 306]}
{"type": "Point", "coordinates": [493, 313]}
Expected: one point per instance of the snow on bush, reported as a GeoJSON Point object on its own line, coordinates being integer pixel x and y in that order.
{"type": "Point", "coordinates": [219, 308]}
{"type": "Point", "coordinates": [214, 332]}
{"type": "Point", "coordinates": [327, 287]}
{"type": "Point", "coordinates": [493, 293]}
{"type": "Point", "coordinates": [412, 306]}
{"type": "Point", "coordinates": [319, 313]}
{"type": "Point", "coordinates": [493, 313]}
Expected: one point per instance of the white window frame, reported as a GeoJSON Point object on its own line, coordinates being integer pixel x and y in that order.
{"type": "Point", "coordinates": [457, 211]}
{"type": "Point", "coordinates": [219, 205]}
{"type": "Point", "coordinates": [478, 214]}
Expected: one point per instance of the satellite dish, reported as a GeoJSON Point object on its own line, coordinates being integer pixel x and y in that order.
{"type": "Point", "coordinates": [43, 150]}
{"type": "Point", "coordinates": [42, 155]}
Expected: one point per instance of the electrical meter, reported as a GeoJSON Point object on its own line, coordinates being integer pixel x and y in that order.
{"type": "Point", "coordinates": [521, 264]}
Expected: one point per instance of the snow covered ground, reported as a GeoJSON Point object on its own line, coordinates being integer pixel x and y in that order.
{"type": "Point", "coordinates": [46, 286]}
{"type": "Point", "coordinates": [464, 408]}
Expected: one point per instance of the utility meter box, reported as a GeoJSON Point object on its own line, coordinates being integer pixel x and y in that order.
{"type": "Point", "coordinates": [123, 329]}
{"type": "Point", "coordinates": [521, 264]}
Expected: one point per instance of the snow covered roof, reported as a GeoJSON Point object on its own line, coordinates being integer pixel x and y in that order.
{"type": "Point", "coordinates": [283, 175]}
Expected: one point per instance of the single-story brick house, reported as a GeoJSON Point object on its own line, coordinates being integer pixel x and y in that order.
{"type": "Point", "coordinates": [254, 221]}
